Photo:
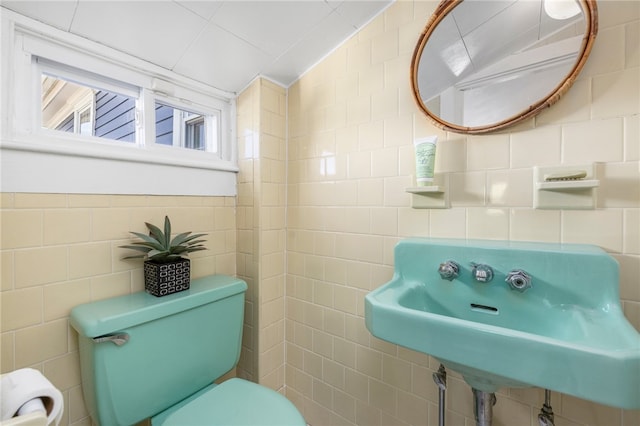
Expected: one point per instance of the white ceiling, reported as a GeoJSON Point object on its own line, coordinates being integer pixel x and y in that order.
{"type": "Point", "coordinates": [224, 44]}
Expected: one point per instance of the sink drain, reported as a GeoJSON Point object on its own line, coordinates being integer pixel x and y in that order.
{"type": "Point", "coordinates": [484, 308]}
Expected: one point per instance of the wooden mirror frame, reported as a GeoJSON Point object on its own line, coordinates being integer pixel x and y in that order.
{"type": "Point", "coordinates": [590, 10]}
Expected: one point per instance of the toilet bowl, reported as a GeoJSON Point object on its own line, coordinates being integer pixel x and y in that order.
{"type": "Point", "coordinates": [235, 402]}
{"type": "Point", "coordinates": [147, 357]}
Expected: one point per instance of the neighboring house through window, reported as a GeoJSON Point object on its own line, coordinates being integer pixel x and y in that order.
{"type": "Point", "coordinates": [74, 108]}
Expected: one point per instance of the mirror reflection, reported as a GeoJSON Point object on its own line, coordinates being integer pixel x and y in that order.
{"type": "Point", "coordinates": [484, 64]}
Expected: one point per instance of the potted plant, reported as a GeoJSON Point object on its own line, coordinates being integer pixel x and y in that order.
{"type": "Point", "coordinates": [166, 269]}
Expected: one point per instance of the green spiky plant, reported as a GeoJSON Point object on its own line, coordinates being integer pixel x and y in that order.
{"type": "Point", "coordinates": [159, 247]}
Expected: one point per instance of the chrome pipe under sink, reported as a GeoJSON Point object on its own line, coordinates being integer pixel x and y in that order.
{"type": "Point", "coordinates": [483, 403]}
{"type": "Point", "coordinates": [440, 378]}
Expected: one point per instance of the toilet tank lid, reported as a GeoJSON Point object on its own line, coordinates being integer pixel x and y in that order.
{"type": "Point", "coordinates": [118, 313]}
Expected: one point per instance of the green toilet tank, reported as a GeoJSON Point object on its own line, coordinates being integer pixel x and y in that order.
{"type": "Point", "coordinates": [140, 354]}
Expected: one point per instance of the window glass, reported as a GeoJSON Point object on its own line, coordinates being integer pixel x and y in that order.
{"type": "Point", "coordinates": [186, 129]}
{"type": "Point", "coordinates": [76, 108]}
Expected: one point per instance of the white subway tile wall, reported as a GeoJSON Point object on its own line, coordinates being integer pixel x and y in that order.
{"type": "Point", "coordinates": [342, 226]}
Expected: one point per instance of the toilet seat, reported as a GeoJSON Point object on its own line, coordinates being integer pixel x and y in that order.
{"type": "Point", "coordinates": [236, 402]}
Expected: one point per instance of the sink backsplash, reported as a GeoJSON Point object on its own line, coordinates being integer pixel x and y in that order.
{"type": "Point", "coordinates": [559, 272]}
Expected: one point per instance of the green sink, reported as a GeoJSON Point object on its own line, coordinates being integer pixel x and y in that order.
{"type": "Point", "coordinates": [566, 333]}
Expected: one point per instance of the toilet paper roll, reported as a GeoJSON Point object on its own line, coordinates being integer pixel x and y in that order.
{"type": "Point", "coordinates": [32, 406]}
{"type": "Point", "coordinates": [25, 385]}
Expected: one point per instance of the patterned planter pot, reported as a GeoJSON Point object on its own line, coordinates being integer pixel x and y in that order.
{"type": "Point", "coordinates": [161, 279]}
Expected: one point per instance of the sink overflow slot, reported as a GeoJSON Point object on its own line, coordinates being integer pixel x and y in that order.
{"type": "Point", "coordinates": [484, 308]}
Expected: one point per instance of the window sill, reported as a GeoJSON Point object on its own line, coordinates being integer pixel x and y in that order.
{"type": "Point", "coordinates": [41, 164]}
{"type": "Point", "coordinates": [121, 151]}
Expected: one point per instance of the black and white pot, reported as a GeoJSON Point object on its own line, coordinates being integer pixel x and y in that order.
{"type": "Point", "coordinates": [161, 279]}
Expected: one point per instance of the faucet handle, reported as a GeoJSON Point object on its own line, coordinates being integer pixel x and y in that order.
{"type": "Point", "coordinates": [518, 280]}
{"type": "Point", "coordinates": [449, 270]}
{"type": "Point", "coordinates": [482, 273]}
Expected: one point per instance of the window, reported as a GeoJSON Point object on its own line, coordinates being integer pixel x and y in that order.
{"type": "Point", "coordinates": [76, 108]}
{"type": "Point", "coordinates": [79, 109]}
{"type": "Point", "coordinates": [187, 129]}
{"type": "Point", "coordinates": [77, 102]}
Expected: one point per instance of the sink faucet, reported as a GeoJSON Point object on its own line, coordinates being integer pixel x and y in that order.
{"type": "Point", "coordinates": [518, 280]}
{"type": "Point", "coordinates": [482, 273]}
{"type": "Point", "coordinates": [449, 270]}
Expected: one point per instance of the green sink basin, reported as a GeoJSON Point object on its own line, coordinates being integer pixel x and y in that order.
{"type": "Point", "coordinates": [565, 333]}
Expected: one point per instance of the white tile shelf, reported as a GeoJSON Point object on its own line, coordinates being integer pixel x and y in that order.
{"type": "Point", "coordinates": [432, 196]}
{"type": "Point", "coordinates": [425, 189]}
{"type": "Point", "coordinates": [577, 184]}
{"type": "Point", "coordinates": [579, 194]}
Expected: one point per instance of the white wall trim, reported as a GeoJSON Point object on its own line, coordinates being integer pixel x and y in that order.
{"type": "Point", "coordinates": [40, 172]}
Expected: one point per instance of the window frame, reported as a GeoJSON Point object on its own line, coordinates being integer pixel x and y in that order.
{"type": "Point", "coordinates": [212, 118]}
{"type": "Point", "coordinates": [77, 118]}
{"type": "Point", "coordinates": [29, 47]}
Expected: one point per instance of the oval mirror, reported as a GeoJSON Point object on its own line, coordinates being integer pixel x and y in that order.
{"type": "Point", "coordinates": [483, 65]}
